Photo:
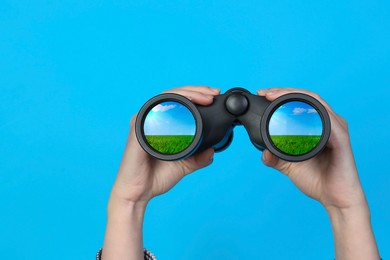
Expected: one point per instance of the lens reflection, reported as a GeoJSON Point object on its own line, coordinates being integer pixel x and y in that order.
{"type": "Point", "coordinates": [169, 127]}
{"type": "Point", "coordinates": [295, 128]}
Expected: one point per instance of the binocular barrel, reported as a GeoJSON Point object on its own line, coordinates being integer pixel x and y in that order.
{"type": "Point", "coordinates": [294, 127]}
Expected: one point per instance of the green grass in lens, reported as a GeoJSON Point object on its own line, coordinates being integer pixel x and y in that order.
{"type": "Point", "coordinates": [169, 144]}
{"type": "Point", "coordinates": [295, 144]}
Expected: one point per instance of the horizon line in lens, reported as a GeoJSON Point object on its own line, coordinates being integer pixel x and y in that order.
{"type": "Point", "coordinates": [168, 134]}
{"type": "Point", "coordinates": [298, 135]}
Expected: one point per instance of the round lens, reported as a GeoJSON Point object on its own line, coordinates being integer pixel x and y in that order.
{"type": "Point", "coordinates": [295, 128]}
{"type": "Point", "coordinates": [169, 127]}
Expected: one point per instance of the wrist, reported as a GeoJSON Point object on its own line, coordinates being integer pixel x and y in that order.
{"type": "Point", "coordinates": [123, 237]}
{"type": "Point", "coordinates": [120, 205]}
{"type": "Point", "coordinates": [344, 198]}
{"type": "Point", "coordinates": [348, 215]}
{"type": "Point", "coordinates": [353, 234]}
{"type": "Point", "coordinates": [351, 216]}
{"type": "Point", "coordinates": [128, 195]}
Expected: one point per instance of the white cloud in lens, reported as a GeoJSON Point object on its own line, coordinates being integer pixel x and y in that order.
{"type": "Point", "coordinates": [301, 110]}
{"type": "Point", "coordinates": [163, 108]}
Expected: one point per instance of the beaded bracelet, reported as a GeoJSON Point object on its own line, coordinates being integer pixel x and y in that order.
{"type": "Point", "coordinates": [147, 255]}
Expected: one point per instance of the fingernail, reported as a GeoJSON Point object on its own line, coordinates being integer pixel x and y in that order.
{"type": "Point", "coordinates": [209, 96]}
{"type": "Point", "coordinates": [271, 91]}
{"type": "Point", "coordinates": [211, 159]}
{"type": "Point", "coordinates": [261, 91]}
{"type": "Point", "coordinates": [189, 98]}
{"type": "Point", "coordinates": [216, 90]}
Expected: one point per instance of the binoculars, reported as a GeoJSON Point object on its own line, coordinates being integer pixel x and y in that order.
{"type": "Point", "coordinates": [294, 127]}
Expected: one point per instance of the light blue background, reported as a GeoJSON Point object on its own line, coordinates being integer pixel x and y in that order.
{"type": "Point", "coordinates": [72, 73]}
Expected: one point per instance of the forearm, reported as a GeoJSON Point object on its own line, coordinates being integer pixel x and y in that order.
{"type": "Point", "coordinates": [123, 237]}
{"type": "Point", "coordinates": [353, 235]}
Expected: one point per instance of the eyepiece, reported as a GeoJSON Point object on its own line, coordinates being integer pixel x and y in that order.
{"type": "Point", "coordinates": [169, 127]}
{"type": "Point", "coordinates": [295, 127]}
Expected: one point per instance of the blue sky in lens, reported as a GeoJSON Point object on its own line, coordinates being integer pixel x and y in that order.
{"type": "Point", "coordinates": [169, 118]}
{"type": "Point", "coordinates": [295, 118]}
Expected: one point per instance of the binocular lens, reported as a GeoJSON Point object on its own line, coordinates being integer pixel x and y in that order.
{"type": "Point", "coordinates": [295, 128]}
{"type": "Point", "coordinates": [169, 127]}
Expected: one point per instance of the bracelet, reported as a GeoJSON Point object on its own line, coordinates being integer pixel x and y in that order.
{"type": "Point", "coordinates": [147, 255]}
{"type": "Point", "coordinates": [99, 254]}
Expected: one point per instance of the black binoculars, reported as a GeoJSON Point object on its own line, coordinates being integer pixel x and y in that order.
{"type": "Point", "coordinates": [294, 127]}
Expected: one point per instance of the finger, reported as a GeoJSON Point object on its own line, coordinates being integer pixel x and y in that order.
{"type": "Point", "coordinates": [195, 96]}
{"type": "Point", "coordinates": [133, 154]}
{"type": "Point", "coordinates": [197, 161]}
{"type": "Point", "coordinates": [132, 145]}
{"type": "Point", "coordinates": [273, 93]}
{"type": "Point", "coordinates": [203, 89]}
{"type": "Point", "coordinates": [269, 159]}
{"type": "Point", "coordinates": [262, 92]}
{"type": "Point", "coordinates": [132, 136]}
{"type": "Point", "coordinates": [272, 161]}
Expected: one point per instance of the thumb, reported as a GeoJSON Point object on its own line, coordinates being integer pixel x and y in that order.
{"type": "Point", "coordinates": [272, 161]}
{"type": "Point", "coordinates": [198, 161]}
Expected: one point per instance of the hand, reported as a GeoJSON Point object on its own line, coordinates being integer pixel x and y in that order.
{"type": "Point", "coordinates": [332, 178]}
{"type": "Point", "coordinates": [142, 177]}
